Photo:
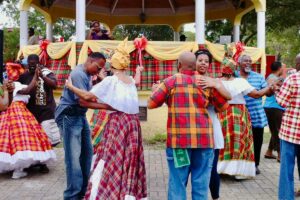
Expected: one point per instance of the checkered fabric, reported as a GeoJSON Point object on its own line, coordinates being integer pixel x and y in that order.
{"type": "Point", "coordinates": [20, 131]}
{"type": "Point", "coordinates": [189, 125]}
{"type": "Point", "coordinates": [289, 97]}
{"type": "Point", "coordinates": [61, 69]}
{"type": "Point", "coordinates": [124, 170]}
{"type": "Point", "coordinates": [98, 122]}
{"type": "Point", "coordinates": [236, 128]}
{"type": "Point", "coordinates": [255, 106]}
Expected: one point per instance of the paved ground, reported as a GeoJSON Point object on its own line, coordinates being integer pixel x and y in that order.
{"type": "Point", "coordinates": [50, 186]}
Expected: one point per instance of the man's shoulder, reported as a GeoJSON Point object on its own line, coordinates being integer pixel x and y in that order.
{"type": "Point", "coordinates": [256, 75]}
{"type": "Point", "coordinates": [25, 76]}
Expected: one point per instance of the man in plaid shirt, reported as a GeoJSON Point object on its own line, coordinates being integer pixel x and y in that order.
{"type": "Point", "coordinates": [189, 127]}
{"type": "Point", "coordinates": [289, 134]}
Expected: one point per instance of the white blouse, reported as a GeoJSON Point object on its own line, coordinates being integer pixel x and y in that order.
{"type": "Point", "coordinates": [238, 88]}
{"type": "Point", "coordinates": [217, 129]}
{"type": "Point", "coordinates": [20, 97]}
{"type": "Point", "coordinates": [119, 95]}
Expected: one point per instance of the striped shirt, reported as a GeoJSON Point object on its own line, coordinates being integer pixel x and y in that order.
{"type": "Point", "coordinates": [289, 97]}
{"type": "Point", "coordinates": [255, 107]}
{"type": "Point", "coordinates": [189, 125]}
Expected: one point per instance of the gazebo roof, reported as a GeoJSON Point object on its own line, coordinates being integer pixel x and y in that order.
{"type": "Point", "coordinates": [171, 12]}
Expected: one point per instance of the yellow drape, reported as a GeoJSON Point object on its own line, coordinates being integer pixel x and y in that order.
{"type": "Point", "coordinates": [54, 50]}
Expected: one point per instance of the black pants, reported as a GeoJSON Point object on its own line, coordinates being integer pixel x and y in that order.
{"type": "Point", "coordinates": [258, 136]}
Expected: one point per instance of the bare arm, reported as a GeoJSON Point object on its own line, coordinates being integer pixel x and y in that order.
{"type": "Point", "coordinates": [137, 77]}
{"type": "Point", "coordinates": [207, 82]}
{"type": "Point", "coordinates": [257, 94]}
{"type": "Point", "coordinates": [94, 105]}
{"type": "Point", "coordinates": [32, 85]}
{"type": "Point", "coordinates": [50, 80]}
{"type": "Point", "coordinates": [85, 95]}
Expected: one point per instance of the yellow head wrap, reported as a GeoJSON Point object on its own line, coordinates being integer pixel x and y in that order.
{"type": "Point", "coordinates": [121, 57]}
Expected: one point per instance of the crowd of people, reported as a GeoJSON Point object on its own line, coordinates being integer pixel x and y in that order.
{"type": "Point", "coordinates": [214, 126]}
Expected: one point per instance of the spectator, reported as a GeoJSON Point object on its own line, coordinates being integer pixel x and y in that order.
{"type": "Point", "coordinates": [33, 39]}
{"type": "Point", "coordinates": [289, 97]}
{"type": "Point", "coordinates": [96, 33]}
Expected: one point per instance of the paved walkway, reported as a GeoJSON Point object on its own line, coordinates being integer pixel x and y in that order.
{"type": "Point", "coordinates": [50, 186]}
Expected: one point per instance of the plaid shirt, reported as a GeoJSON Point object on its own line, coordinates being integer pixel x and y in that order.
{"type": "Point", "coordinates": [189, 125]}
{"type": "Point", "coordinates": [289, 97]}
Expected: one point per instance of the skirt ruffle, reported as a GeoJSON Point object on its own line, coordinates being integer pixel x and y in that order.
{"type": "Point", "coordinates": [23, 142]}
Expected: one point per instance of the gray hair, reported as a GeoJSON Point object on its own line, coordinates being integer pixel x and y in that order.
{"type": "Point", "coordinates": [242, 57]}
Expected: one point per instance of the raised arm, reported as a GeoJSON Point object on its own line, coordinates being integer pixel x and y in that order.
{"type": "Point", "coordinates": [137, 77]}
{"type": "Point", "coordinates": [32, 85]}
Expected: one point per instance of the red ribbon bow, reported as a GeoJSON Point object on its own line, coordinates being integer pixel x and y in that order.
{"type": "Point", "coordinates": [239, 49]}
{"type": "Point", "coordinates": [140, 44]}
{"type": "Point", "coordinates": [44, 56]}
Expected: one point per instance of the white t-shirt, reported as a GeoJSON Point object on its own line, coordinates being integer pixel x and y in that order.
{"type": "Point", "coordinates": [20, 97]}
{"type": "Point", "coordinates": [238, 88]}
{"type": "Point", "coordinates": [119, 95]}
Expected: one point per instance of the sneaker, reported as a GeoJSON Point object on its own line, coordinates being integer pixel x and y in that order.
{"type": "Point", "coordinates": [44, 169]}
{"type": "Point", "coordinates": [19, 174]}
{"type": "Point", "coordinates": [257, 170]}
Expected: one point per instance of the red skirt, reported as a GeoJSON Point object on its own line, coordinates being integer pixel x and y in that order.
{"type": "Point", "coordinates": [23, 142]}
{"type": "Point", "coordinates": [119, 169]}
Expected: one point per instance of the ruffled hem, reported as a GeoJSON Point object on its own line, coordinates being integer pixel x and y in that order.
{"type": "Point", "coordinates": [24, 159]}
{"type": "Point", "coordinates": [237, 168]}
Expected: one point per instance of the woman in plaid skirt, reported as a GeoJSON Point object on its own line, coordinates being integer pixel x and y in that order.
{"type": "Point", "coordinates": [119, 169]}
{"type": "Point", "coordinates": [237, 157]}
{"type": "Point", "coordinates": [22, 140]}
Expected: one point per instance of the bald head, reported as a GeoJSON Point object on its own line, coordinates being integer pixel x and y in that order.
{"type": "Point", "coordinates": [298, 62]}
{"type": "Point", "coordinates": [187, 61]}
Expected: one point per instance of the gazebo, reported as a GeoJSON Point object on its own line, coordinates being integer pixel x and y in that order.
{"type": "Point", "coordinates": [171, 12]}
{"type": "Point", "coordinates": [159, 57]}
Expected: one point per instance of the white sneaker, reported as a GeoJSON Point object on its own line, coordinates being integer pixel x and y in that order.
{"type": "Point", "coordinates": [19, 174]}
{"type": "Point", "coordinates": [240, 177]}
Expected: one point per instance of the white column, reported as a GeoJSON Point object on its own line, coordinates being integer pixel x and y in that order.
{"type": "Point", "coordinates": [261, 29]}
{"type": "Point", "coordinates": [80, 20]}
{"type": "Point", "coordinates": [49, 31]}
{"type": "Point", "coordinates": [200, 21]}
{"type": "Point", "coordinates": [176, 36]}
{"type": "Point", "coordinates": [23, 28]}
{"type": "Point", "coordinates": [236, 33]}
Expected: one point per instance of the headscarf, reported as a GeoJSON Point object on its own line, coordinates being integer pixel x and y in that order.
{"type": "Point", "coordinates": [228, 66]}
{"type": "Point", "coordinates": [121, 57]}
{"type": "Point", "coordinates": [14, 70]}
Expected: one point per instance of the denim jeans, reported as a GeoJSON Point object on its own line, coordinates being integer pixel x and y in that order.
{"type": "Point", "coordinates": [78, 154]}
{"type": "Point", "coordinates": [288, 153]}
{"type": "Point", "coordinates": [200, 169]}
{"type": "Point", "coordinates": [214, 184]}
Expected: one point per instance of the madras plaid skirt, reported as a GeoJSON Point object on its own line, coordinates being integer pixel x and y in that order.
{"type": "Point", "coordinates": [119, 169]}
{"type": "Point", "coordinates": [98, 122]}
{"type": "Point", "coordinates": [237, 157]}
{"type": "Point", "coordinates": [22, 139]}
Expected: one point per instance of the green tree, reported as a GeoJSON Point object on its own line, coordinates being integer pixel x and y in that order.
{"type": "Point", "coordinates": [151, 32]}
{"type": "Point", "coordinates": [11, 44]}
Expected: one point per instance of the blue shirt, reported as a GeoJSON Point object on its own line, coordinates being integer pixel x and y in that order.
{"type": "Point", "coordinates": [271, 101]}
{"type": "Point", "coordinates": [81, 80]}
{"type": "Point", "coordinates": [255, 107]}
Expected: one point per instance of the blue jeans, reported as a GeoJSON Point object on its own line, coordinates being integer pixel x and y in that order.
{"type": "Point", "coordinates": [200, 169]}
{"type": "Point", "coordinates": [78, 154]}
{"type": "Point", "coordinates": [288, 153]}
{"type": "Point", "coordinates": [214, 184]}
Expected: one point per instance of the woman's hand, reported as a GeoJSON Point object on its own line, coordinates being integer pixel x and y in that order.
{"type": "Point", "coordinates": [139, 69]}
{"type": "Point", "coordinates": [206, 82]}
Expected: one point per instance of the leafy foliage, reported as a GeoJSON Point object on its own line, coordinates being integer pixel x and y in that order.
{"type": "Point", "coordinates": [11, 44]}
{"type": "Point", "coordinates": [151, 32]}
